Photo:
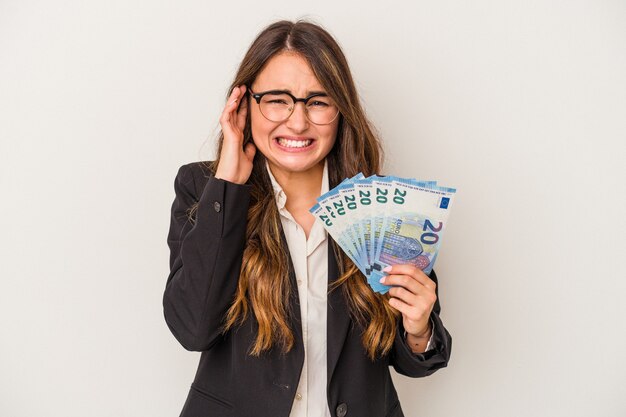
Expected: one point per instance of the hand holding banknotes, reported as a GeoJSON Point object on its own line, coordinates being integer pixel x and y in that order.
{"type": "Point", "coordinates": [412, 294]}
{"type": "Point", "coordinates": [235, 160]}
{"type": "Point", "coordinates": [386, 221]}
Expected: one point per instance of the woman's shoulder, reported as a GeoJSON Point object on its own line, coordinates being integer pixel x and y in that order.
{"type": "Point", "coordinates": [199, 169]}
{"type": "Point", "coordinates": [195, 175]}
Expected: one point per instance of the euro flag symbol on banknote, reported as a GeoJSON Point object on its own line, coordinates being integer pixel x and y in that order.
{"type": "Point", "coordinates": [381, 221]}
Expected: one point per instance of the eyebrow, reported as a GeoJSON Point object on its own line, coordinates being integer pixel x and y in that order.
{"type": "Point", "coordinates": [308, 93]}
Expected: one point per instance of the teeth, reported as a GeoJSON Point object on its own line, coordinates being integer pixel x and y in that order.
{"type": "Point", "coordinates": [294, 143]}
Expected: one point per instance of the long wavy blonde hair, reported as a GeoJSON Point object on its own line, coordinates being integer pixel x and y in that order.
{"type": "Point", "coordinates": [264, 286]}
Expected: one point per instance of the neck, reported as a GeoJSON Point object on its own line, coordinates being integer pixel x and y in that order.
{"type": "Point", "coordinates": [299, 186]}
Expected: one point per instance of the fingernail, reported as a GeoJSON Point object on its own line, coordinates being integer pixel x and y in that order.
{"type": "Point", "coordinates": [382, 280]}
{"type": "Point", "coordinates": [387, 268]}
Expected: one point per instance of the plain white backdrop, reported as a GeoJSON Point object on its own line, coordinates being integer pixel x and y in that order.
{"type": "Point", "coordinates": [520, 105]}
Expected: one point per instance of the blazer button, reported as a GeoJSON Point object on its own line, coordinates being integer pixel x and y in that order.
{"type": "Point", "coordinates": [217, 206]}
{"type": "Point", "coordinates": [342, 410]}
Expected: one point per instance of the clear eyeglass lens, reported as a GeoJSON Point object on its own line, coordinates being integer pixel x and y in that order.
{"type": "Point", "coordinates": [278, 107]}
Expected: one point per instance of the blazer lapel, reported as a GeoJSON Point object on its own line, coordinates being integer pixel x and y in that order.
{"type": "Point", "coordinates": [338, 317]}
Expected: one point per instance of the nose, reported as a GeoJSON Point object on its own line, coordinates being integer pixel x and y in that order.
{"type": "Point", "coordinates": [298, 121]}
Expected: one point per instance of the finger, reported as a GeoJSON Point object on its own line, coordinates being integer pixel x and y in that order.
{"type": "Point", "coordinates": [401, 306]}
{"type": "Point", "coordinates": [404, 295]}
{"type": "Point", "coordinates": [410, 284]}
{"type": "Point", "coordinates": [234, 95]}
{"type": "Point", "coordinates": [233, 102]}
{"type": "Point", "coordinates": [422, 295]}
{"type": "Point", "coordinates": [226, 119]}
{"type": "Point", "coordinates": [405, 281]}
{"type": "Point", "coordinates": [413, 313]}
{"type": "Point", "coordinates": [243, 112]}
{"type": "Point", "coordinates": [423, 300]}
{"type": "Point", "coordinates": [411, 270]}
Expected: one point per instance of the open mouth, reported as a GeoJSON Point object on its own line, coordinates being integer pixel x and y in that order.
{"type": "Point", "coordinates": [294, 143]}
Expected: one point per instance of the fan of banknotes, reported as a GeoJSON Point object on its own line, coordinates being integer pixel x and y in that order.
{"type": "Point", "coordinates": [382, 221]}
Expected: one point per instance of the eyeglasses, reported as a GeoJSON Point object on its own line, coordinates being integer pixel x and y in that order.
{"type": "Point", "coordinates": [278, 105]}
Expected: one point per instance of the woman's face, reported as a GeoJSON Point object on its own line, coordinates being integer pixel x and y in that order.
{"type": "Point", "coordinates": [295, 145]}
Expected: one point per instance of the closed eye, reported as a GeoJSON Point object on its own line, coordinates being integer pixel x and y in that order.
{"type": "Point", "coordinates": [318, 103]}
{"type": "Point", "coordinates": [277, 101]}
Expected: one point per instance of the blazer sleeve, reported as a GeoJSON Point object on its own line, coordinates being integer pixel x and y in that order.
{"type": "Point", "coordinates": [205, 257]}
{"type": "Point", "coordinates": [405, 362]}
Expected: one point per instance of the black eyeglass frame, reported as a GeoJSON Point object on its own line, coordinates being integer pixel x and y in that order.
{"type": "Point", "coordinates": [257, 97]}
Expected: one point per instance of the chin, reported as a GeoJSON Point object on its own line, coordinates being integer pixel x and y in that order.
{"type": "Point", "coordinates": [294, 166]}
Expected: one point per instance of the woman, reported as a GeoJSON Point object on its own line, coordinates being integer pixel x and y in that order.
{"type": "Point", "coordinates": [286, 323]}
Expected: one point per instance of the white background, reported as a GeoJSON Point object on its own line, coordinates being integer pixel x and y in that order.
{"type": "Point", "coordinates": [520, 105]}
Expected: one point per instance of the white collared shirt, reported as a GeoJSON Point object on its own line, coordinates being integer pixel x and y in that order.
{"type": "Point", "coordinates": [310, 262]}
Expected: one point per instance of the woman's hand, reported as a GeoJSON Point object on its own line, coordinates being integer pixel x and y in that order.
{"type": "Point", "coordinates": [235, 163]}
{"type": "Point", "coordinates": [413, 294]}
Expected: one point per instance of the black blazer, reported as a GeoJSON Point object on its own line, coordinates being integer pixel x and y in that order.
{"type": "Point", "coordinates": [205, 262]}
